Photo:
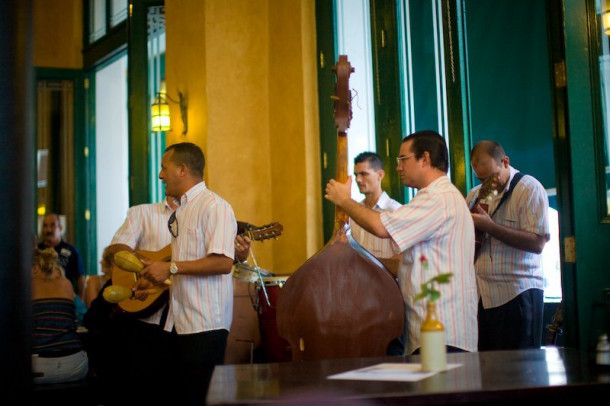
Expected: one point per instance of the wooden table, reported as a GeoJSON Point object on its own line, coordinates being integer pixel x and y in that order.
{"type": "Point", "coordinates": [493, 377]}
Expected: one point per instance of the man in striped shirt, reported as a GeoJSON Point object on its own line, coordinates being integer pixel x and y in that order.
{"type": "Point", "coordinates": [203, 230]}
{"type": "Point", "coordinates": [145, 229]}
{"type": "Point", "coordinates": [368, 170]}
{"type": "Point", "coordinates": [435, 224]}
{"type": "Point", "coordinates": [509, 273]}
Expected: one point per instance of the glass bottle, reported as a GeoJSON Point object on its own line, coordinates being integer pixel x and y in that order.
{"type": "Point", "coordinates": [603, 351]}
{"type": "Point", "coordinates": [432, 341]}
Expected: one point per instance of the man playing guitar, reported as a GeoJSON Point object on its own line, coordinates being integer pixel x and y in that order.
{"type": "Point", "coordinates": [509, 275]}
{"type": "Point", "coordinates": [140, 353]}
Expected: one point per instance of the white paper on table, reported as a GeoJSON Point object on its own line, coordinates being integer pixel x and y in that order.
{"type": "Point", "coordinates": [389, 372]}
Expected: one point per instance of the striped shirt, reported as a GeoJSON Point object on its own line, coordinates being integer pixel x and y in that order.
{"type": "Point", "coordinates": [436, 223]}
{"type": "Point", "coordinates": [379, 247]}
{"type": "Point", "coordinates": [206, 225]}
{"type": "Point", "coordinates": [55, 327]}
{"type": "Point", "coordinates": [503, 272]}
{"type": "Point", "coordinates": [145, 228]}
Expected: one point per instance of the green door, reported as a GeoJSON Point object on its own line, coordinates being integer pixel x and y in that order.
{"type": "Point", "coordinates": [579, 48]}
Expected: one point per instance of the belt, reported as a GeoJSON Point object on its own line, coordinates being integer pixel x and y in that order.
{"type": "Point", "coordinates": [60, 353]}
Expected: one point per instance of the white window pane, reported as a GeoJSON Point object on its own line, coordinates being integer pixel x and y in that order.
{"type": "Point", "coordinates": [118, 12]}
{"type": "Point", "coordinates": [354, 40]}
{"type": "Point", "coordinates": [551, 261]}
{"type": "Point", "coordinates": [111, 150]}
{"type": "Point", "coordinates": [97, 19]}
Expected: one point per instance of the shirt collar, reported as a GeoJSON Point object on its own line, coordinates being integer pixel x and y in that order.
{"type": "Point", "coordinates": [382, 202]}
{"type": "Point", "coordinates": [192, 193]}
{"type": "Point", "coordinates": [166, 205]}
{"type": "Point", "coordinates": [510, 178]}
{"type": "Point", "coordinates": [435, 183]}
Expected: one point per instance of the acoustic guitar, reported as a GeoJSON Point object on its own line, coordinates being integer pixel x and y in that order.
{"type": "Point", "coordinates": [160, 295]}
{"type": "Point", "coordinates": [488, 187]}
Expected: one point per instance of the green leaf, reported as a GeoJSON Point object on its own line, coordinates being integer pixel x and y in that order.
{"type": "Point", "coordinates": [443, 278]}
{"type": "Point", "coordinates": [419, 296]}
{"type": "Point", "coordinates": [427, 288]}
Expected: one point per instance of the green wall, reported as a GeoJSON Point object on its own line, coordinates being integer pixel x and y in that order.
{"type": "Point", "coordinates": [509, 82]}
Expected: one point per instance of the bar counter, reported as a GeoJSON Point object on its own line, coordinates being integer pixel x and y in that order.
{"type": "Point", "coordinates": [493, 377]}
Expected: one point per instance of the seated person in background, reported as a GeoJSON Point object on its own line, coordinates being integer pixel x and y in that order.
{"type": "Point", "coordinates": [57, 351]}
{"type": "Point", "coordinates": [108, 336]}
{"type": "Point", "coordinates": [68, 256]}
{"type": "Point", "coordinates": [95, 283]}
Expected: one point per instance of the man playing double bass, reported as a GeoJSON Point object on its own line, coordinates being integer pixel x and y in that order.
{"type": "Point", "coordinates": [436, 224]}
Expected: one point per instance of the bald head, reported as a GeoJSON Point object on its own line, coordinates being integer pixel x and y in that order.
{"type": "Point", "coordinates": [488, 159]}
{"type": "Point", "coordinates": [487, 148]}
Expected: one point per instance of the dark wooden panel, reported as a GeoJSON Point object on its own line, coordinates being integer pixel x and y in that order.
{"type": "Point", "coordinates": [494, 377]}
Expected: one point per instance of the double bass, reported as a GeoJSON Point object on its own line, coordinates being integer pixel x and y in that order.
{"type": "Point", "coordinates": [342, 302]}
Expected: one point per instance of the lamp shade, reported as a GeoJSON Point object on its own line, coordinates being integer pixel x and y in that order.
{"type": "Point", "coordinates": [606, 22]}
{"type": "Point", "coordinates": [160, 115]}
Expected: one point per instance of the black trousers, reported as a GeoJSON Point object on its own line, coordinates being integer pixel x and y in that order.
{"type": "Point", "coordinates": [196, 355]}
{"type": "Point", "coordinates": [514, 325]}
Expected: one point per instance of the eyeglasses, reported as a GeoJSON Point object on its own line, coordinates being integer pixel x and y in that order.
{"type": "Point", "coordinates": [401, 158]}
{"type": "Point", "coordinates": [172, 225]}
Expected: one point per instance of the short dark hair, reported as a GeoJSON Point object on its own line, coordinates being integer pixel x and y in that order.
{"type": "Point", "coordinates": [190, 155]}
{"type": "Point", "coordinates": [434, 143]}
{"type": "Point", "coordinates": [371, 157]}
{"type": "Point", "coordinates": [53, 214]}
{"type": "Point", "coordinates": [488, 147]}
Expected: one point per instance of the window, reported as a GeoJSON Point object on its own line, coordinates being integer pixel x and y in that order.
{"type": "Point", "coordinates": [354, 40]}
{"type": "Point", "coordinates": [105, 15]}
{"type": "Point", "coordinates": [156, 84]}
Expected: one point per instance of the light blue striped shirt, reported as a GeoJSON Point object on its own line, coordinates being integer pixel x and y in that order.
{"type": "Point", "coordinates": [503, 272]}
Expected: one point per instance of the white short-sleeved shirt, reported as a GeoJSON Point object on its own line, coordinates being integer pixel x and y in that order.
{"type": "Point", "coordinates": [206, 225]}
{"type": "Point", "coordinates": [436, 223]}
{"type": "Point", "coordinates": [503, 272]}
{"type": "Point", "coordinates": [145, 228]}
{"type": "Point", "coordinates": [379, 247]}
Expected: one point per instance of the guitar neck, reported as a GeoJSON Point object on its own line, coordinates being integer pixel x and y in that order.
{"type": "Point", "coordinates": [265, 232]}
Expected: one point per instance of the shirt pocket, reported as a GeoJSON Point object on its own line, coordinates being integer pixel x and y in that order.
{"type": "Point", "coordinates": [194, 241]}
{"type": "Point", "coordinates": [510, 222]}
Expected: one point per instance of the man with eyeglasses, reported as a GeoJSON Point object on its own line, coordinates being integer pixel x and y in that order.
{"type": "Point", "coordinates": [509, 272]}
{"type": "Point", "coordinates": [435, 224]}
{"type": "Point", "coordinates": [203, 230]}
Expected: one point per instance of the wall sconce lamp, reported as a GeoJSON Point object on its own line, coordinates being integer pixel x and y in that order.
{"type": "Point", "coordinates": [605, 13]}
{"type": "Point", "coordinates": [160, 112]}
{"type": "Point", "coordinates": [606, 22]}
